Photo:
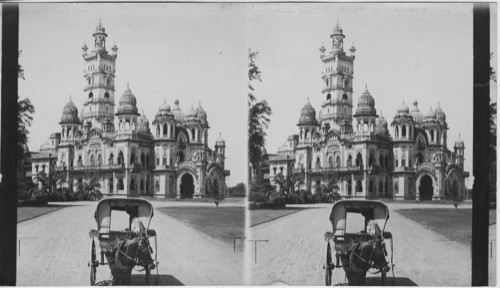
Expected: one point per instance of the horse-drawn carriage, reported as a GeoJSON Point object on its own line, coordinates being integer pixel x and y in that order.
{"type": "Point", "coordinates": [127, 247]}
{"type": "Point", "coordinates": [358, 252]}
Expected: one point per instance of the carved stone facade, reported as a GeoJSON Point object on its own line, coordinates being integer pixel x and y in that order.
{"type": "Point", "coordinates": [173, 159]}
{"type": "Point", "coordinates": [358, 154]}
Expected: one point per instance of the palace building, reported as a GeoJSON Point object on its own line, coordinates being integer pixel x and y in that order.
{"type": "Point", "coordinates": [363, 154]}
{"type": "Point", "coordinates": [121, 150]}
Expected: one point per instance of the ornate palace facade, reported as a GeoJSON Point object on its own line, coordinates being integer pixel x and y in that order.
{"type": "Point", "coordinates": [121, 151]}
{"type": "Point", "coordinates": [358, 153]}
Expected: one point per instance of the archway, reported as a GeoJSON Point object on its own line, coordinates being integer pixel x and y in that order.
{"type": "Point", "coordinates": [187, 186]}
{"type": "Point", "coordinates": [425, 188]}
{"type": "Point", "coordinates": [216, 187]}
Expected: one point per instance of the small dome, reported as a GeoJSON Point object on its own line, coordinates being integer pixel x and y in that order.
{"type": "Point", "coordinates": [381, 125]}
{"type": "Point", "coordinates": [127, 103]}
{"type": "Point", "coordinates": [418, 117]}
{"type": "Point", "coordinates": [459, 143]}
{"type": "Point", "coordinates": [440, 116]}
{"type": "Point", "coordinates": [201, 113]}
{"type": "Point", "coordinates": [100, 28]}
{"type": "Point", "coordinates": [403, 109]}
{"type": "Point", "coordinates": [337, 29]}
{"type": "Point", "coordinates": [70, 113]}
{"type": "Point", "coordinates": [178, 114]}
{"type": "Point", "coordinates": [308, 115]}
{"type": "Point", "coordinates": [220, 141]}
{"type": "Point", "coordinates": [143, 123]}
{"type": "Point", "coordinates": [164, 108]}
{"type": "Point", "coordinates": [431, 114]}
{"type": "Point", "coordinates": [366, 104]}
{"type": "Point", "coordinates": [191, 115]}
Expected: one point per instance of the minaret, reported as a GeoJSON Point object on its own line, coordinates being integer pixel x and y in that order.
{"type": "Point", "coordinates": [337, 75]}
{"type": "Point", "coordinates": [99, 88]}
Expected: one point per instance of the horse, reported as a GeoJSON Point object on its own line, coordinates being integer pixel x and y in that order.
{"type": "Point", "coordinates": [361, 256]}
{"type": "Point", "coordinates": [125, 255]}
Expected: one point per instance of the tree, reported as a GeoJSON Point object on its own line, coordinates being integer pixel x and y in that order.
{"type": "Point", "coordinates": [258, 116]}
{"type": "Point", "coordinates": [493, 142]}
{"type": "Point", "coordinates": [24, 118]}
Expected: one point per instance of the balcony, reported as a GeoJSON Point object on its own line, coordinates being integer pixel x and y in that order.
{"type": "Point", "coordinates": [403, 169]}
{"type": "Point", "coordinates": [337, 170]}
{"type": "Point", "coordinates": [92, 168]}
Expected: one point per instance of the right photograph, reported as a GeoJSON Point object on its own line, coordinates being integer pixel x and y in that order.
{"type": "Point", "coordinates": [360, 144]}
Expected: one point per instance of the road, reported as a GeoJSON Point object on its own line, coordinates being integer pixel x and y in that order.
{"type": "Point", "coordinates": [55, 249]}
{"type": "Point", "coordinates": [296, 251]}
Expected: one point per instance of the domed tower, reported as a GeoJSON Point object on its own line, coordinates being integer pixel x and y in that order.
{"type": "Point", "coordinates": [381, 126]}
{"type": "Point", "coordinates": [70, 123]}
{"type": "Point", "coordinates": [193, 126]}
{"type": "Point", "coordinates": [459, 152]}
{"type": "Point", "coordinates": [99, 74]}
{"type": "Point", "coordinates": [164, 136]}
{"type": "Point", "coordinates": [366, 114]}
{"type": "Point", "coordinates": [432, 127]}
{"type": "Point", "coordinates": [143, 125]}
{"type": "Point", "coordinates": [442, 127]}
{"type": "Point", "coordinates": [337, 75]}
{"type": "Point", "coordinates": [403, 124]}
{"type": "Point", "coordinates": [220, 150]}
{"type": "Point", "coordinates": [308, 124]}
{"type": "Point", "coordinates": [418, 117]}
{"type": "Point", "coordinates": [202, 115]}
{"type": "Point", "coordinates": [127, 113]}
{"type": "Point", "coordinates": [178, 114]}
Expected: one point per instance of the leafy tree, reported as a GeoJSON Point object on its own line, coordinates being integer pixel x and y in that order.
{"type": "Point", "coordinates": [258, 116]}
{"type": "Point", "coordinates": [237, 190]}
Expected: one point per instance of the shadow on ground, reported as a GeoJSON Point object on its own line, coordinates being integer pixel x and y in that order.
{"type": "Point", "coordinates": [164, 280]}
{"type": "Point", "coordinates": [377, 281]}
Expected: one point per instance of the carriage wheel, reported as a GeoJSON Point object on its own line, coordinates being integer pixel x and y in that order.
{"type": "Point", "coordinates": [328, 263]}
{"type": "Point", "coordinates": [93, 260]}
{"type": "Point", "coordinates": [148, 274]}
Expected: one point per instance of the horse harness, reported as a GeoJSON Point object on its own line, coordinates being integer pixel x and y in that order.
{"type": "Point", "coordinates": [370, 262]}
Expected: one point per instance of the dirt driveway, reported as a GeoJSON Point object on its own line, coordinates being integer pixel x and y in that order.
{"type": "Point", "coordinates": [55, 249]}
{"type": "Point", "coordinates": [296, 251]}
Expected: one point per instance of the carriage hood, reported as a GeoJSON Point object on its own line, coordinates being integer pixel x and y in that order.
{"type": "Point", "coordinates": [376, 209]}
{"type": "Point", "coordinates": [102, 215]}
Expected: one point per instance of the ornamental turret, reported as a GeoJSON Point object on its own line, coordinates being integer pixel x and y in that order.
{"type": "Point", "coordinates": [366, 114]}
{"type": "Point", "coordinates": [70, 122]}
{"type": "Point", "coordinates": [127, 113]}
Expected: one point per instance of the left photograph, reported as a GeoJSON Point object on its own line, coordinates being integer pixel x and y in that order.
{"type": "Point", "coordinates": [131, 174]}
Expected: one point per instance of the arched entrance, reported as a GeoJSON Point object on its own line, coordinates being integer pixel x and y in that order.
{"type": "Point", "coordinates": [216, 187]}
{"type": "Point", "coordinates": [425, 189]}
{"type": "Point", "coordinates": [187, 186]}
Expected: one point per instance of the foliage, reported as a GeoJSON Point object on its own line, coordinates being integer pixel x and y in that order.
{"type": "Point", "coordinates": [24, 118]}
{"type": "Point", "coordinates": [88, 190]}
{"type": "Point", "coordinates": [257, 196]}
{"type": "Point", "coordinates": [295, 198]}
{"type": "Point", "coordinates": [239, 189]}
{"type": "Point", "coordinates": [493, 151]}
{"type": "Point", "coordinates": [258, 116]}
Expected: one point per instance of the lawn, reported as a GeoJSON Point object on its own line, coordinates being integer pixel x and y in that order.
{"type": "Point", "coordinates": [26, 213]}
{"type": "Point", "coordinates": [223, 223]}
{"type": "Point", "coordinates": [455, 225]}
{"type": "Point", "coordinates": [259, 216]}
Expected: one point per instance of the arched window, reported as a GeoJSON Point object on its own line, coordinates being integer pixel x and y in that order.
{"type": "Point", "coordinates": [91, 95]}
{"type": "Point", "coordinates": [403, 131]}
{"type": "Point", "coordinates": [132, 158]}
{"type": "Point", "coordinates": [110, 161]}
{"type": "Point", "coordinates": [106, 95]}
{"type": "Point", "coordinates": [349, 187]}
{"type": "Point", "coordinates": [365, 127]}
{"type": "Point", "coordinates": [79, 161]}
{"type": "Point", "coordinates": [337, 162]}
{"type": "Point", "coordinates": [92, 161]}
{"type": "Point", "coordinates": [147, 160]}
{"type": "Point", "coordinates": [359, 187]}
{"type": "Point", "coordinates": [164, 129]}
{"type": "Point", "coordinates": [120, 184]}
{"type": "Point", "coordinates": [381, 161]}
{"type": "Point", "coordinates": [432, 135]}
{"type": "Point", "coordinates": [318, 164]}
{"type": "Point", "coordinates": [99, 160]}
{"type": "Point", "coordinates": [89, 80]}
{"type": "Point", "coordinates": [127, 125]}
{"type": "Point", "coordinates": [349, 161]}
{"type": "Point", "coordinates": [143, 160]}
{"type": "Point", "coordinates": [396, 131]}
{"type": "Point", "coordinates": [142, 184]}
{"type": "Point", "coordinates": [132, 184]}
{"type": "Point", "coordinates": [370, 160]}
{"type": "Point", "coordinates": [328, 97]}
{"type": "Point", "coordinates": [330, 162]}
{"type": "Point", "coordinates": [344, 97]}
{"type": "Point", "coordinates": [158, 130]}
{"type": "Point", "coordinates": [359, 160]}
{"type": "Point", "coordinates": [108, 82]}
{"type": "Point", "coordinates": [120, 158]}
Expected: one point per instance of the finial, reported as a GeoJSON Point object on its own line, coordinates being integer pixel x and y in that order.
{"type": "Point", "coordinates": [128, 85]}
{"type": "Point", "coordinates": [69, 97]}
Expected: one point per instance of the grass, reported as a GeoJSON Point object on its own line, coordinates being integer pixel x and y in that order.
{"type": "Point", "coordinates": [222, 223]}
{"type": "Point", "coordinates": [26, 213]}
{"type": "Point", "coordinates": [455, 225]}
{"type": "Point", "coordinates": [259, 216]}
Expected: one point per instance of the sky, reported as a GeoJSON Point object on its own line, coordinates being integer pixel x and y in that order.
{"type": "Point", "coordinates": [190, 52]}
{"type": "Point", "coordinates": [405, 52]}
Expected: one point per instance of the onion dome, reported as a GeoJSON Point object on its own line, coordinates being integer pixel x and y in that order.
{"type": "Point", "coordinates": [418, 117]}
{"type": "Point", "coordinates": [164, 108]}
{"type": "Point", "coordinates": [100, 28]}
{"type": "Point", "coordinates": [178, 114]}
{"type": "Point", "coordinates": [220, 141]}
{"type": "Point", "coordinates": [191, 115]}
{"type": "Point", "coordinates": [440, 116]}
{"type": "Point", "coordinates": [381, 125]}
{"type": "Point", "coordinates": [127, 103]}
{"type": "Point", "coordinates": [70, 113]}
{"type": "Point", "coordinates": [366, 104]}
{"type": "Point", "coordinates": [403, 109]}
{"type": "Point", "coordinates": [430, 115]}
{"type": "Point", "coordinates": [202, 115]}
{"type": "Point", "coordinates": [308, 115]}
{"type": "Point", "coordinates": [143, 124]}
{"type": "Point", "coordinates": [459, 143]}
{"type": "Point", "coordinates": [337, 29]}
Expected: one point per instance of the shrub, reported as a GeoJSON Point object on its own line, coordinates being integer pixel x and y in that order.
{"type": "Point", "coordinates": [295, 198]}
{"type": "Point", "coordinates": [257, 196]}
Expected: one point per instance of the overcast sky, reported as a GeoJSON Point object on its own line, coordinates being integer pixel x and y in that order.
{"type": "Point", "coordinates": [190, 52]}
{"type": "Point", "coordinates": [405, 52]}
{"type": "Point", "coordinates": [198, 52]}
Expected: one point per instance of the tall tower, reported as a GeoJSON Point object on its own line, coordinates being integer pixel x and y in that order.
{"type": "Point", "coordinates": [337, 75]}
{"type": "Point", "coordinates": [99, 74]}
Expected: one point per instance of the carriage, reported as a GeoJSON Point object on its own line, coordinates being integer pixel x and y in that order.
{"type": "Point", "coordinates": [125, 248]}
{"type": "Point", "coordinates": [358, 252]}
